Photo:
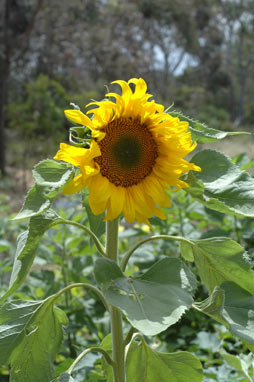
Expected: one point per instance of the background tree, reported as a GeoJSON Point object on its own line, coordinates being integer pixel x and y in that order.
{"type": "Point", "coordinates": [238, 21]}
{"type": "Point", "coordinates": [17, 24]}
{"type": "Point", "coordinates": [198, 55]}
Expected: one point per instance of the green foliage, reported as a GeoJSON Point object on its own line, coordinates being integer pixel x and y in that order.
{"type": "Point", "coordinates": [31, 336]}
{"type": "Point", "coordinates": [64, 378]}
{"type": "Point", "coordinates": [27, 244]}
{"type": "Point", "coordinates": [143, 361]}
{"type": "Point", "coordinates": [50, 178]}
{"type": "Point", "coordinates": [243, 364]}
{"type": "Point", "coordinates": [212, 266]}
{"type": "Point", "coordinates": [232, 306]}
{"type": "Point", "coordinates": [216, 116]}
{"type": "Point", "coordinates": [222, 259]}
{"type": "Point", "coordinates": [36, 120]}
{"type": "Point", "coordinates": [221, 185]}
{"type": "Point", "coordinates": [153, 301]}
{"type": "Point", "coordinates": [40, 111]}
{"type": "Point", "coordinates": [201, 133]}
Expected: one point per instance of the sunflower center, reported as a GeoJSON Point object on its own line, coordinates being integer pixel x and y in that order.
{"type": "Point", "coordinates": [128, 152]}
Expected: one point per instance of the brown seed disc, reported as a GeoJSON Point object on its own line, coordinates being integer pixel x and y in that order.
{"type": "Point", "coordinates": [128, 152]}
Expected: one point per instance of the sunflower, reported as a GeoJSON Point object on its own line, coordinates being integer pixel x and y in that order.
{"type": "Point", "coordinates": [136, 153]}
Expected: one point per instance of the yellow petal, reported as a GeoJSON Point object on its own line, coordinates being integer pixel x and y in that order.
{"type": "Point", "coordinates": [78, 117]}
{"type": "Point", "coordinates": [157, 212]}
{"type": "Point", "coordinates": [75, 185]}
{"type": "Point", "coordinates": [117, 197]}
{"type": "Point", "coordinates": [140, 88]}
{"type": "Point", "coordinates": [99, 193]}
{"type": "Point", "coordinates": [70, 154]}
{"type": "Point", "coordinates": [93, 152]}
{"type": "Point", "coordinates": [143, 203]}
{"type": "Point", "coordinates": [114, 95]}
{"type": "Point", "coordinates": [77, 156]}
{"type": "Point", "coordinates": [125, 87]}
{"type": "Point", "coordinates": [98, 134]}
{"type": "Point", "coordinates": [154, 188]}
{"type": "Point", "coordinates": [128, 209]}
{"type": "Point", "coordinates": [126, 91]}
{"type": "Point", "coordinates": [104, 104]}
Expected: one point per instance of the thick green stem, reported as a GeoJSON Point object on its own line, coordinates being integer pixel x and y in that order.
{"type": "Point", "coordinates": [116, 316]}
{"type": "Point", "coordinates": [117, 345]}
{"type": "Point", "coordinates": [112, 240]}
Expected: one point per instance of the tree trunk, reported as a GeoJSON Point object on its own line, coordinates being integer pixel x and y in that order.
{"type": "Point", "coordinates": [4, 74]}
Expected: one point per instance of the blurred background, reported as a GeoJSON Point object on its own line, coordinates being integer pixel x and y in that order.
{"type": "Point", "coordinates": [196, 55]}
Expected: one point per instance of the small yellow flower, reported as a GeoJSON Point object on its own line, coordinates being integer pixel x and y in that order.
{"type": "Point", "coordinates": [136, 153]}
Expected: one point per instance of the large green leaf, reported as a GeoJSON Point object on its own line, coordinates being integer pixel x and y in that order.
{"type": "Point", "coordinates": [213, 305]}
{"type": "Point", "coordinates": [145, 364]}
{"type": "Point", "coordinates": [203, 134]}
{"type": "Point", "coordinates": [153, 301]}
{"type": "Point", "coordinates": [239, 311]}
{"type": "Point", "coordinates": [30, 336]}
{"type": "Point", "coordinates": [221, 185]}
{"type": "Point", "coordinates": [50, 178]}
{"type": "Point", "coordinates": [35, 203]}
{"type": "Point", "coordinates": [186, 251]}
{"type": "Point", "coordinates": [242, 365]}
{"type": "Point", "coordinates": [65, 377]}
{"type": "Point", "coordinates": [221, 259]}
{"type": "Point", "coordinates": [27, 244]}
{"type": "Point", "coordinates": [13, 319]}
{"type": "Point", "coordinates": [232, 306]}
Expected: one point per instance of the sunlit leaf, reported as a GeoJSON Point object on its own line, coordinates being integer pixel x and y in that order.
{"type": "Point", "coordinates": [221, 185]}
{"type": "Point", "coordinates": [213, 305]}
{"type": "Point", "coordinates": [232, 306]}
{"type": "Point", "coordinates": [201, 133]}
{"type": "Point", "coordinates": [65, 377]}
{"type": "Point", "coordinates": [239, 364]}
{"type": "Point", "coordinates": [153, 301]}
{"type": "Point", "coordinates": [13, 319]}
{"type": "Point", "coordinates": [164, 367]}
{"type": "Point", "coordinates": [35, 203]}
{"type": "Point", "coordinates": [239, 311]}
{"type": "Point", "coordinates": [27, 244]}
{"type": "Point", "coordinates": [50, 178]}
{"type": "Point", "coordinates": [243, 161]}
{"type": "Point", "coordinates": [30, 336]}
{"type": "Point", "coordinates": [186, 251]}
{"type": "Point", "coordinates": [221, 259]}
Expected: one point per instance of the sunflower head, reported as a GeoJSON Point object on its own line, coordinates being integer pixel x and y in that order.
{"type": "Point", "coordinates": [136, 153]}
